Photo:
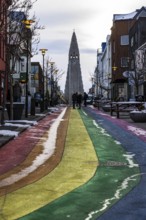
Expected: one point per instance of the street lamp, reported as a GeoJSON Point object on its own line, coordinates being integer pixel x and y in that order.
{"type": "Point", "coordinates": [43, 54]}
{"type": "Point", "coordinates": [27, 24]}
{"type": "Point", "coordinates": [92, 79]}
{"type": "Point", "coordinates": [113, 91]}
{"type": "Point", "coordinates": [114, 68]}
{"type": "Point", "coordinates": [52, 64]}
{"type": "Point", "coordinates": [56, 86]}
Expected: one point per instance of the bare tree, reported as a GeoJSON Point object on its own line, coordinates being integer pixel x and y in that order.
{"type": "Point", "coordinates": [102, 83]}
{"type": "Point", "coordinates": [136, 76]}
{"type": "Point", "coordinates": [16, 41]}
{"type": "Point", "coordinates": [53, 75]}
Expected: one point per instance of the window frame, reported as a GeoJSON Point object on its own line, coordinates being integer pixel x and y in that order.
{"type": "Point", "coordinates": [124, 40]}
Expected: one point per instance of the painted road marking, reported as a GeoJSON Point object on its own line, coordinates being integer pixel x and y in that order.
{"type": "Point", "coordinates": [73, 171]}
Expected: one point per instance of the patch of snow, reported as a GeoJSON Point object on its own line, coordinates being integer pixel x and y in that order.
{"type": "Point", "coordinates": [9, 133]}
{"type": "Point", "coordinates": [53, 109]}
{"type": "Point", "coordinates": [40, 114]}
{"type": "Point", "coordinates": [17, 125]}
{"type": "Point", "coordinates": [124, 16]}
{"type": "Point", "coordinates": [137, 131]}
{"type": "Point", "coordinates": [137, 111]}
{"type": "Point", "coordinates": [22, 121]}
{"type": "Point", "coordinates": [101, 129]}
{"type": "Point", "coordinates": [117, 195]}
{"type": "Point", "coordinates": [117, 142]}
{"type": "Point", "coordinates": [84, 113]}
{"type": "Point", "coordinates": [129, 158]}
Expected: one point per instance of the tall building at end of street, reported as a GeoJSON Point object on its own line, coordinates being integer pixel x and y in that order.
{"type": "Point", "coordinates": [74, 81]}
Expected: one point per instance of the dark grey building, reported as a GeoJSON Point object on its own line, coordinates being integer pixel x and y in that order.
{"type": "Point", "coordinates": [74, 77]}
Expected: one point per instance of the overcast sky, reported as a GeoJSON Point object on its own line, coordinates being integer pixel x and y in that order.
{"type": "Point", "coordinates": [91, 20]}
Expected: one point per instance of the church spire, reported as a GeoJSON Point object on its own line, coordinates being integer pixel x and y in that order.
{"type": "Point", "coordinates": [74, 77]}
{"type": "Point", "coordinates": [74, 50]}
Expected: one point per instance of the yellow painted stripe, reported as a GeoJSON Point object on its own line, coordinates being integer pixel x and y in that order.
{"type": "Point", "coordinates": [78, 165]}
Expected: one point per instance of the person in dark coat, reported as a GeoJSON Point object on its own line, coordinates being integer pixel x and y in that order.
{"type": "Point", "coordinates": [79, 100]}
{"type": "Point", "coordinates": [85, 99]}
{"type": "Point", "coordinates": [74, 100]}
{"type": "Point", "coordinates": [17, 92]}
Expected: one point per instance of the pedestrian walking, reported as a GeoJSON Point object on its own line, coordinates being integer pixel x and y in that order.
{"type": "Point", "coordinates": [85, 99]}
{"type": "Point", "coordinates": [29, 102]}
{"type": "Point", "coordinates": [74, 100]}
{"type": "Point", "coordinates": [17, 92]}
{"type": "Point", "coordinates": [79, 100]}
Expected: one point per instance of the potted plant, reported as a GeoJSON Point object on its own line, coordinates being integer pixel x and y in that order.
{"type": "Point", "coordinates": [139, 115]}
{"type": "Point", "coordinates": [17, 110]}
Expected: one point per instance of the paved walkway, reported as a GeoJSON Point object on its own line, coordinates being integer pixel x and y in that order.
{"type": "Point", "coordinates": [99, 172]}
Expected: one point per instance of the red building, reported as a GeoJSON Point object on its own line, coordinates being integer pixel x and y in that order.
{"type": "Point", "coordinates": [128, 33]}
{"type": "Point", "coordinates": [4, 4]}
{"type": "Point", "coordinates": [120, 53]}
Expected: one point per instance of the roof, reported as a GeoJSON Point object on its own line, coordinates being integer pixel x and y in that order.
{"type": "Point", "coordinates": [132, 15]}
{"type": "Point", "coordinates": [128, 16]}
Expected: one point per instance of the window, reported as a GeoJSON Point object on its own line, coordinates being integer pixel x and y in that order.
{"type": "Point", "coordinates": [125, 40]}
{"type": "Point", "coordinates": [124, 61]}
{"type": "Point", "coordinates": [132, 64]}
{"type": "Point", "coordinates": [74, 56]}
{"type": "Point", "coordinates": [114, 47]}
{"type": "Point", "coordinates": [121, 89]}
{"type": "Point", "coordinates": [136, 37]}
{"type": "Point", "coordinates": [23, 65]}
{"type": "Point", "coordinates": [132, 41]}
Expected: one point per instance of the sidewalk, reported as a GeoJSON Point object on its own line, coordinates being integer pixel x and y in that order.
{"type": "Point", "coordinates": [125, 117]}
{"type": "Point", "coordinates": [13, 128]}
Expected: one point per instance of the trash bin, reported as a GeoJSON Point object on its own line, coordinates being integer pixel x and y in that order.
{"type": "Point", "coordinates": [17, 110]}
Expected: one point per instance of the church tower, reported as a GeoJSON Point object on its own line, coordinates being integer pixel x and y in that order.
{"type": "Point", "coordinates": [74, 77]}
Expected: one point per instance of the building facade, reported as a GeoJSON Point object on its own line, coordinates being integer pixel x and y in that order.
{"type": "Point", "coordinates": [4, 4]}
{"type": "Point", "coordinates": [137, 39]}
{"type": "Point", "coordinates": [36, 78]}
{"type": "Point", "coordinates": [102, 76]}
{"type": "Point", "coordinates": [127, 35]}
{"type": "Point", "coordinates": [120, 54]}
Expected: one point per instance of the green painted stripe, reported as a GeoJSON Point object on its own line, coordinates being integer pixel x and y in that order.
{"type": "Point", "coordinates": [108, 185]}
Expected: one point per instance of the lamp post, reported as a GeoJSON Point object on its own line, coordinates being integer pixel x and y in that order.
{"type": "Point", "coordinates": [52, 64]}
{"type": "Point", "coordinates": [27, 24]}
{"type": "Point", "coordinates": [92, 79]}
{"type": "Point", "coordinates": [56, 87]}
{"type": "Point", "coordinates": [43, 54]}
{"type": "Point", "coordinates": [113, 91]}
